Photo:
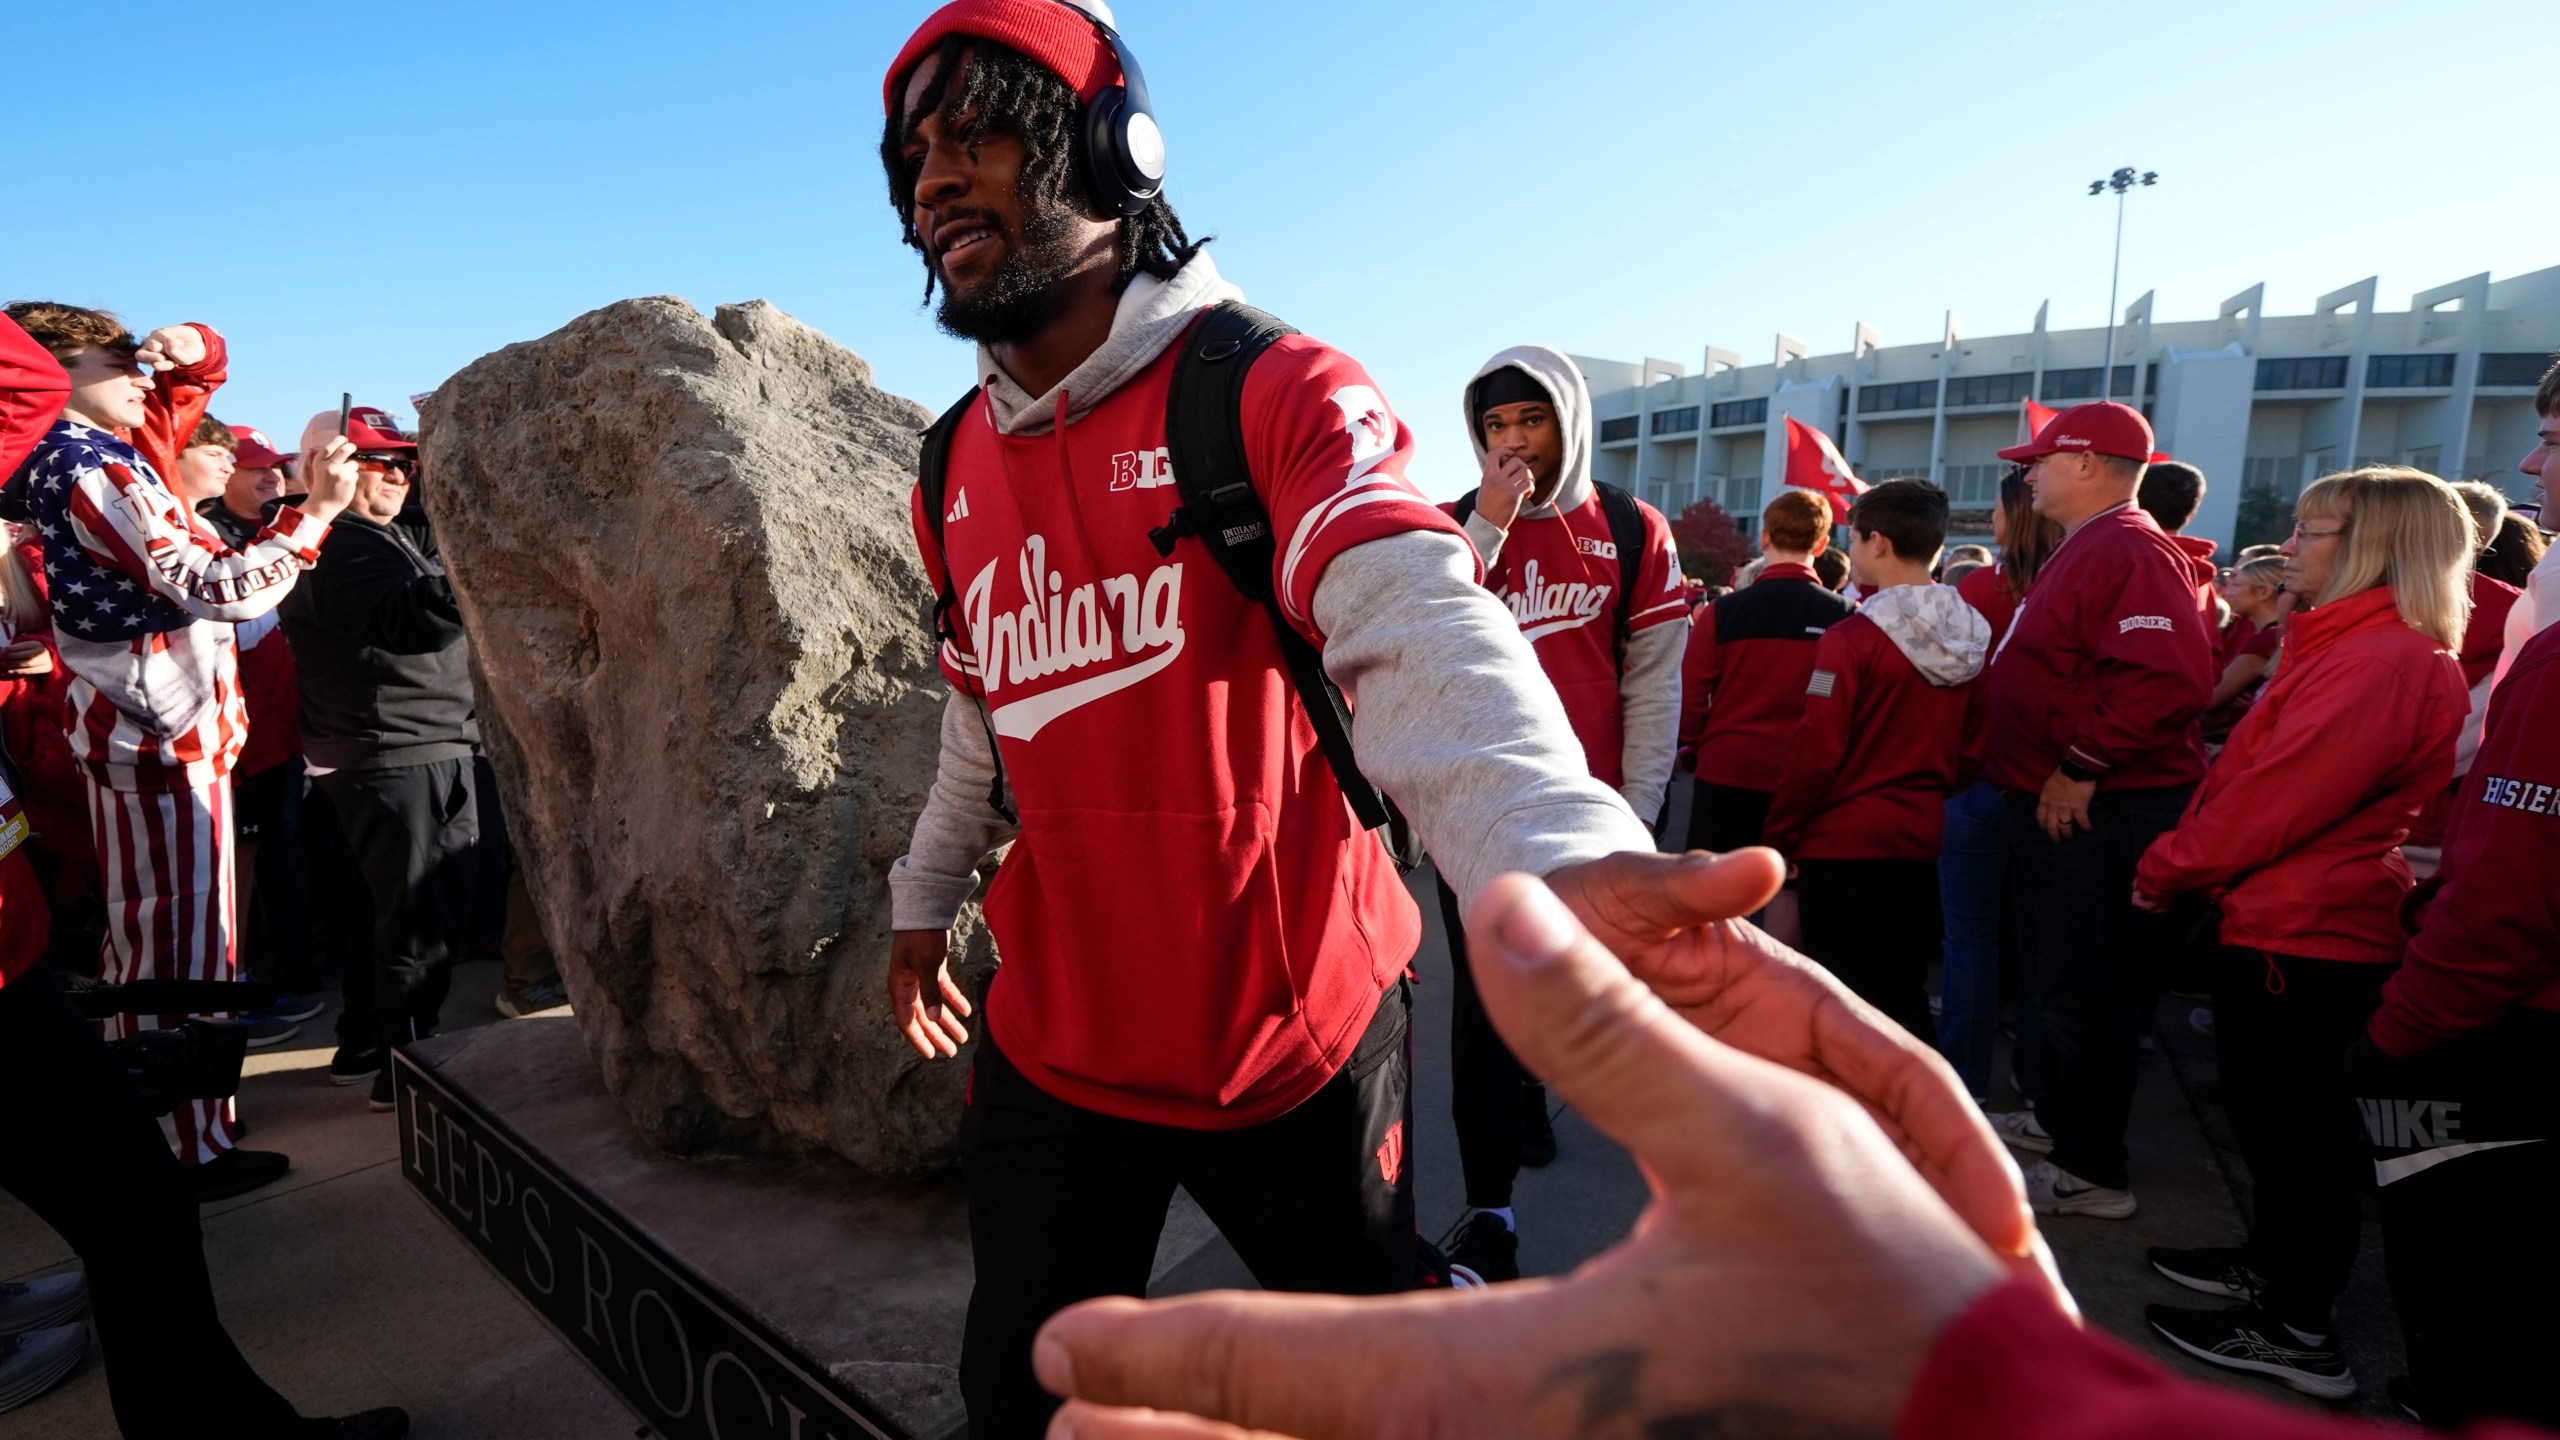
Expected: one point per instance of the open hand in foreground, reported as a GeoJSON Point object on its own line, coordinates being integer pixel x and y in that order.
{"type": "Point", "coordinates": [1789, 1276]}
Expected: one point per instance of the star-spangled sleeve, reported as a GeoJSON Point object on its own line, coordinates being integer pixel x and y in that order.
{"type": "Point", "coordinates": [138, 530]}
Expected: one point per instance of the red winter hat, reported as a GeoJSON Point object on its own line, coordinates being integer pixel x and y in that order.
{"type": "Point", "coordinates": [2101, 428]}
{"type": "Point", "coordinates": [1057, 34]}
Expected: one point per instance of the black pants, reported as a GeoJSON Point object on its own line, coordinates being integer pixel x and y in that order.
{"type": "Point", "coordinates": [2281, 1028]}
{"type": "Point", "coordinates": [268, 810]}
{"type": "Point", "coordinates": [1485, 1079]}
{"type": "Point", "coordinates": [2466, 1142]}
{"type": "Point", "coordinates": [1066, 1205]}
{"type": "Point", "coordinates": [496, 865]}
{"type": "Point", "coordinates": [1727, 817]}
{"type": "Point", "coordinates": [2084, 948]}
{"type": "Point", "coordinates": [413, 829]}
{"type": "Point", "coordinates": [77, 1149]}
{"type": "Point", "coordinates": [1875, 925]}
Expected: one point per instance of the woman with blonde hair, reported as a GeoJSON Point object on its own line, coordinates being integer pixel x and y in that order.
{"type": "Point", "coordinates": [2297, 829]}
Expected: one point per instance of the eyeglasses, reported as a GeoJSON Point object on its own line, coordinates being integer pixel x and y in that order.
{"type": "Point", "coordinates": [385, 465]}
{"type": "Point", "coordinates": [2300, 533]}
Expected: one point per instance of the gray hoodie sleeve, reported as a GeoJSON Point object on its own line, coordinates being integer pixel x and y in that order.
{"type": "Point", "coordinates": [956, 830]}
{"type": "Point", "coordinates": [1488, 538]}
{"type": "Point", "coordinates": [1453, 716]}
{"type": "Point", "coordinates": [1649, 715]}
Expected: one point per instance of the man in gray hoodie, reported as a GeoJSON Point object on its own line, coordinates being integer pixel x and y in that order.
{"type": "Point", "coordinates": [1551, 538]}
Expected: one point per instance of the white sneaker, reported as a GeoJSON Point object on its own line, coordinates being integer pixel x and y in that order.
{"type": "Point", "coordinates": [2021, 1130]}
{"type": "Point", "coordinates": [2052, 1190]}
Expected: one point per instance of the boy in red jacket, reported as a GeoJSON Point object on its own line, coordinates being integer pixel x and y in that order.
{"type": "Point", "coordinates": [1892, 726]}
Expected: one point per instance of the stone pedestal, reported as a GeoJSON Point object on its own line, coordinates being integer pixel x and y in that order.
{"type": "Point", "coordinates": [797, 1300]}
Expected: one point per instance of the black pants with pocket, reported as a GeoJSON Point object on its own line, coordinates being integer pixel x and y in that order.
{"type": "Point", "coordinates": [415, 831]}
{"type": "Point", "coordinates": [77, 1148]}
{"type": "Point", "coordinates": [1875, 925]}
{"type": "Point", "coordinates": [2281, 1028]}
{"type": "Point", "coordinates": [1067, 1205]}
{"type": "Point", "coordinates": [1485, 1079]}
{"type": "Point", "coordinates": [2466, 1149]}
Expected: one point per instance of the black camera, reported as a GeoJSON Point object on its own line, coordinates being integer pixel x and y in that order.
{"type": "Point", "coordinates": [196, 1059]}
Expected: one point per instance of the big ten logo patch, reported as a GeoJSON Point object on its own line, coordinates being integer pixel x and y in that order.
{"type": "Point", "coordinates": [1142, 469]}
{"type": "Point", "coordinates": [1599, 549]}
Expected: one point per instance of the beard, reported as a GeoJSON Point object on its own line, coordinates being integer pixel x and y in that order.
{"type": "Point", "coordinates": [1023, 295]}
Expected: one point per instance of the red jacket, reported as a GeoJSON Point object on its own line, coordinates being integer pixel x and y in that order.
{"type": "Point", "coordinates": [1987, 591]}
{"type": "Point", "coordinates": [179, 397]}
{"type": "Point", "coordinates": [1195, 928]}
{"type": "Point", "coordinates": [2109, 659]}
{"type": "Point", "coordinates": [33, 388]}
{"type": "Point", "coordinates": [2488, 926]}
{"type": "Point", "coordinates": [1742, 681]}
{"type": "Point", "coordinates": [2298, 826]}
{"type": "Point", "coordinates": [2012, 1367]}
{"type": "Point", "coordinates": [1878, 753]}
{"type": "Point", "coordinates": [2202, 552]}
{"type": "Point", "coordinates": [2482, 639]}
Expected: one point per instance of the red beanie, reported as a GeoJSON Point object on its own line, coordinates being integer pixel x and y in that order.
{"type": "Point", "coordinates": [1055, 34]}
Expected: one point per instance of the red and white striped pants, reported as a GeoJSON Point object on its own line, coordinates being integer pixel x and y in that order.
{"type": "Point", "coordinates": [166, 865]}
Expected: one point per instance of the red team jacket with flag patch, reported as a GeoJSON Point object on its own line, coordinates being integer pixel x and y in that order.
{"type": "Point", "coordinates": [1878, 752]}
{"type": "Point", "coordinates": [1195, 928]}
{"type": "Point", "coordinates": [2108, 659]}
{"type": "Point", "coordinates": [1558, 576]}
{"type": "Point", "coordinates": [1742, 682]}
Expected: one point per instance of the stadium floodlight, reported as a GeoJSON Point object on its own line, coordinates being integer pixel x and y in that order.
{"type": "Point", "coordinates": [2124, 180]}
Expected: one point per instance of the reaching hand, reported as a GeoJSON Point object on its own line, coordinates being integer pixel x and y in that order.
{"type": "Point", "coordinates": [173, 347]}
{"type": "Point", "coordinates": [1669, 918]}
{"type": "Point", "coordinates": [922, 994]}
{"type": "Point", "coordinates": [1504, 488]}
{"type": "Point", "coordinates": [1789, 1276]}
{"type": "Point", "coordinates": [330, 476]}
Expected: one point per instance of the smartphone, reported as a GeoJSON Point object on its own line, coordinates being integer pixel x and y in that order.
{"type": "Point", "coordinates": [346, 404]}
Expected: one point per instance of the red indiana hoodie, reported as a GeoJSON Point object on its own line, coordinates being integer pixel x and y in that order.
{"type": "Point", "coordinates": [2109, 660]}
{"type": "Point", "coordinates": [1195, 928]}
{"type": "Point", "coordinates": [2298, 825]}
{"type": "Point", "coordinates": [1892, 726]}
{"type": "Point", "coordinates": [1742, 682]}
{"type": "Point", "coordinates": [2488, 927]}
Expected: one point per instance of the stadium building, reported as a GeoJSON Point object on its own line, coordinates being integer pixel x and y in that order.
{"type": "Point", "coordinates": [2261, 403]}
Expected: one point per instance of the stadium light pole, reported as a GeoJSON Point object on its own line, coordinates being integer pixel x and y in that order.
{"type": "Point", "coordinates": [2120, 182]}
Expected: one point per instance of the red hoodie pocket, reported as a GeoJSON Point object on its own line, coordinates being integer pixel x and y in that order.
{"type": "Point", "coordinates": [1145, 954]}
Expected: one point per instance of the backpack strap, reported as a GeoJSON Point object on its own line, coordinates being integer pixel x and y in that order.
{"type": "Point", "coordinates": [933, 466]}
{"type": "Point", "coordinates": [1204, 433]}
{"type": "Point", "coordinates": [1626, 532]}
{"type": "Point", "coordinates": [1467, 507]}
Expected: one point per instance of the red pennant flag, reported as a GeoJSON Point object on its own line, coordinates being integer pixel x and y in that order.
{"type": "Point", "coordinates": [2032, 418]}
{"type": "Point", "coordinates": [1814, 463]}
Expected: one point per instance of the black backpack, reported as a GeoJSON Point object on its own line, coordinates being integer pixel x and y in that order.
{"type": "Point", "coordinates": [1626, 533]}
{"type": "Point", "coordinates": [1204, 431]}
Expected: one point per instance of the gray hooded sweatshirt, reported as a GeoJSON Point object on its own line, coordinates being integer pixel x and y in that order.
{"type": "Point", "coordinates": [1944, 638]}
{"type": "Point", "coordinates": [1451, 715]}
{"type": "Point", "coordinates": [1649, 680]}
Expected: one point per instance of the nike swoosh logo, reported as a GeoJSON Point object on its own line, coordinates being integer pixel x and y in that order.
{"type": "Point", "coordinates": [2404, 1166]}
{"type": "Point", "coordinates": [1023, 719]}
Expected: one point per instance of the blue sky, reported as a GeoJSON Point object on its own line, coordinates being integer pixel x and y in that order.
{"type": "Point", "coordinates": [368, 198]}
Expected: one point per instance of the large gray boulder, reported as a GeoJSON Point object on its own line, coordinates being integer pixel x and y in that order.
{"type": "Point", "coordinates": [682, 550]}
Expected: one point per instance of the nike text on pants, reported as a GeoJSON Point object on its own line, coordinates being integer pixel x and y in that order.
{"type": "Point", "coordinates": [165, 865]}
{"type": "Point", "coordinates": [1066, 1204]}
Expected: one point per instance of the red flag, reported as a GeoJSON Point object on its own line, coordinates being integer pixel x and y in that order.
{"type": "Point", "coordinates": [1814, 463]}
{"type": "Point", "coordinates": [2032, 418]}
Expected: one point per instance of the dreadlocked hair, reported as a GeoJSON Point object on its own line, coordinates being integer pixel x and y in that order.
{"type": "Point", "coordinates": [1002, 91]}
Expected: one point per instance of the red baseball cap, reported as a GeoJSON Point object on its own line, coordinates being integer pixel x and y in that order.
{"type": "Point", "coordinates": [2099, 428]}
{"type": "Point", "coordinates": [256, 451]}
{"type": "Point", "coordinates": [371, 429]}
{"type": "Point", "coordinates": [1057, 34]}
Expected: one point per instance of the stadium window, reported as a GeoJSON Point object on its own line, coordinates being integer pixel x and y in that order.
{"type": "Point", "coordinates": [2082, 384]}
{"type": "Point", "coordinates": [2311, 373]}
{"type": "Point", "coordinates": [2408, 372]}
{"type": "Point", "coordinates": [1909, 395]}
{"type": "Point", "coordinates": [1739, 412]}
{"type": "Point", "coordinates": [2525, 370]}
{"type": "Point", "coordinates": [1621, 428]}
{"type": "Point", "coordinates": [1675, 422]}
{"type": "Point", "coordinates": [1990, 389]}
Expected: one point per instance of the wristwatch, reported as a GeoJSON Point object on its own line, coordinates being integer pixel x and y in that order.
{"type": "Point", "coordinates": [2077, 772]}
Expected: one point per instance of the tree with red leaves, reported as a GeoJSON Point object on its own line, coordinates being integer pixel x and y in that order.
{"type": "Point", "coordinates": [1712, 547]}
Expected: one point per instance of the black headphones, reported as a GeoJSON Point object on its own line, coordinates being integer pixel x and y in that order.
{"type": "Point", "coordinates": [1123, 149]}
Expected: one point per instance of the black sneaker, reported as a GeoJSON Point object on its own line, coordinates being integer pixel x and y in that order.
{"type": "Point", "coordinates": [2222, 1270]}
{"type": "Point", "coordinates": [388, 1423]}
{"type": "Point", "coordinates": [2404, 1398]}
{"type": "Point", "coordinates": [1537, 1128]}
{"type": "Point", "coordinates": [237, 1172]}
{"type": "Point", "coordinates": [381, 1099]}
{"type": "Point", "coordinates": [1487, 1246]}
{"type": "Point", "coordinates": [2248, 1339]}
{"type": "Point", "coordinates": [354, 1067]}
{"type": "Point", "coordinates": [266, 1030]}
